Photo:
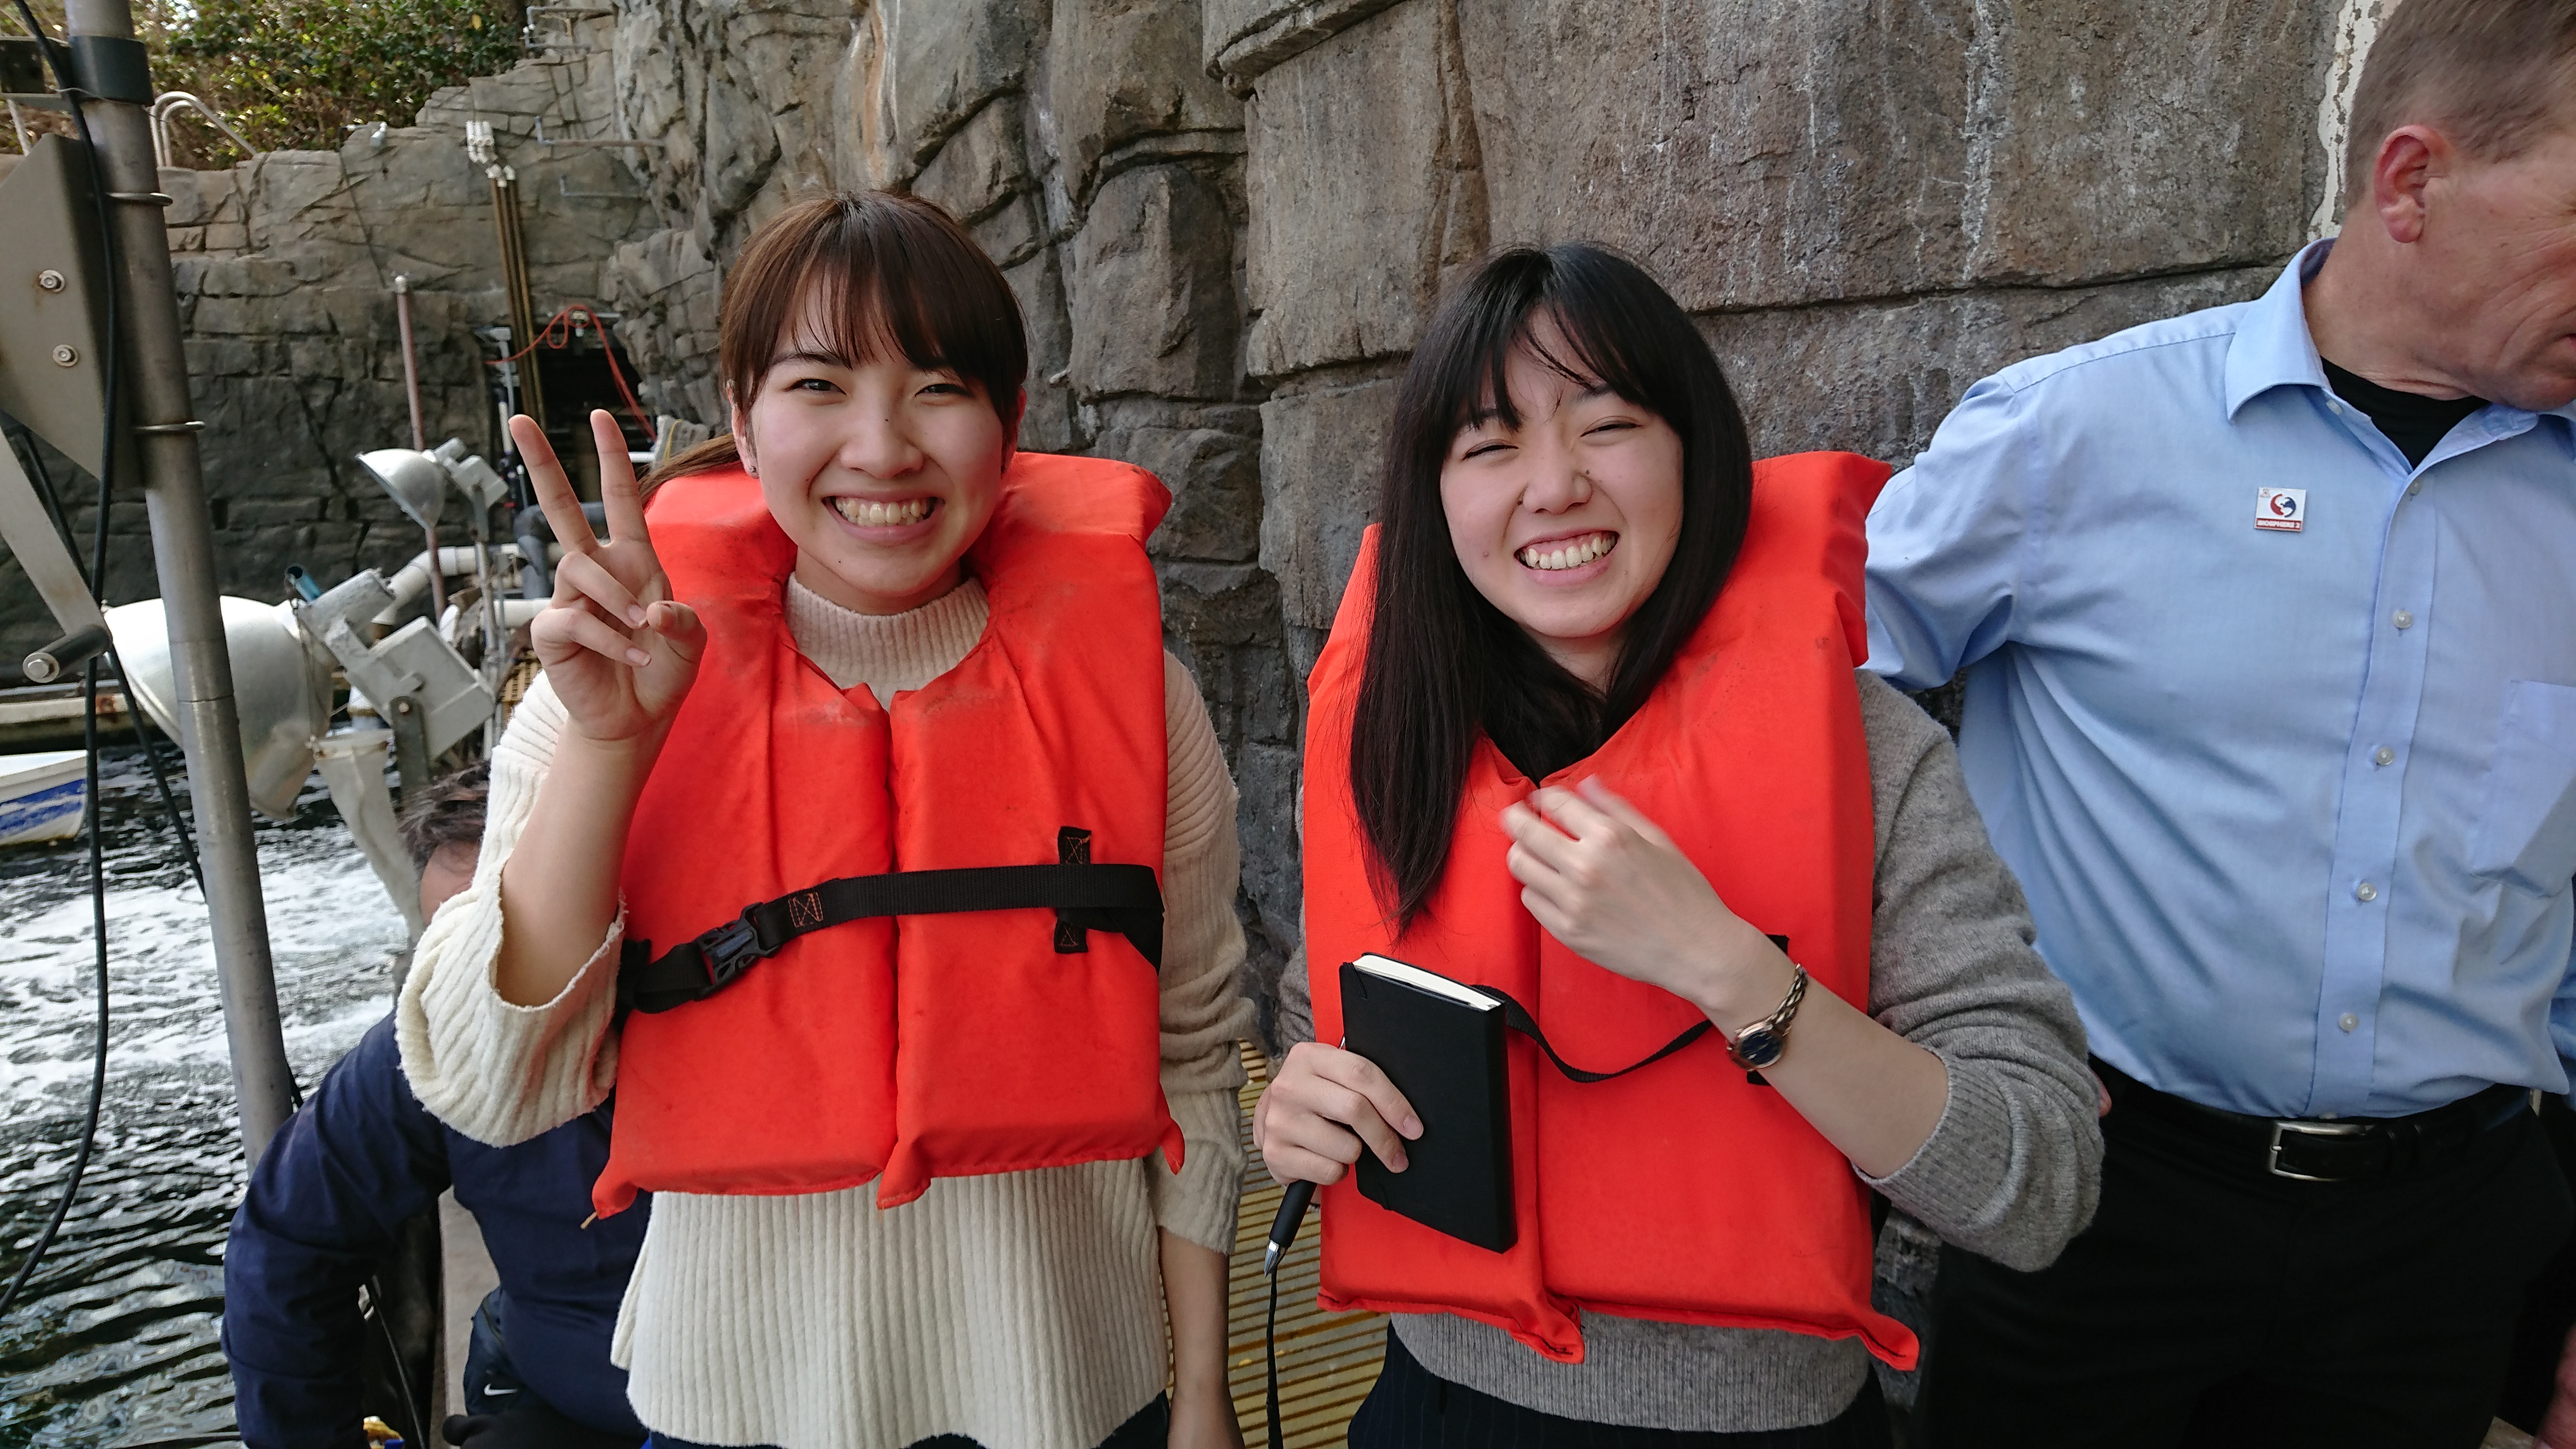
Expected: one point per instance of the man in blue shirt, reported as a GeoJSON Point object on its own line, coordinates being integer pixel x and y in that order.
{"type": "Point", "coordinates": [362, 1156]}
{"type": "Point", "coordinates": [2268, 615]}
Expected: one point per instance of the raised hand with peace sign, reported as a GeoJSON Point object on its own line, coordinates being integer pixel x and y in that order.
{"type": "Point", "coordinates": [620, 653]}
{"type": "Point", "coordinates": [618, 649]}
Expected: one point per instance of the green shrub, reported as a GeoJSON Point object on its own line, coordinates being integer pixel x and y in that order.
{"type": "Point", "coordinates": [296, 74]}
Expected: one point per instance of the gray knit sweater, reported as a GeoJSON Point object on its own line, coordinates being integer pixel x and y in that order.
{"type": "Point", "coordinates": [2011, 1171]}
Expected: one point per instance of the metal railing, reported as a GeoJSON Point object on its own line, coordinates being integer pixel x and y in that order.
{"type": "Point", "coordinates": [168, 103]}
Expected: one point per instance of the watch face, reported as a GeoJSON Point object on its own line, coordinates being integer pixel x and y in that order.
{"type": "Point", "coordinates": [1759, 1046]}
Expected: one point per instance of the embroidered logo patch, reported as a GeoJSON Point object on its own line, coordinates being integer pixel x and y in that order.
{"type": "Point", "coordinates": [2282, 510]}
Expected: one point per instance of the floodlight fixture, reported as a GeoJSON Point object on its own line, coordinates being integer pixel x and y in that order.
{"type": "Point", "coordinates": [414, 478]}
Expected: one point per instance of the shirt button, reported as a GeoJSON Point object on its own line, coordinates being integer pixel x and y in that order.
{"type": "Point", "coordinates": [2365, 892]}
{"type": "Point", "coordinates": [2402, 619]}
{"type": "Point", "coordinates": [2383, 756]}
{"type": "Point", "coordinates": [2415, 487]}
{"type": "Point", "coordinates": [2348, 1021]}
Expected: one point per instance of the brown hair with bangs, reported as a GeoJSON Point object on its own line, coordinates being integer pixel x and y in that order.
{"type": "Point", "coordinates": [894, 271]}
{"type": "Point", "coordinates": [2492, 74]}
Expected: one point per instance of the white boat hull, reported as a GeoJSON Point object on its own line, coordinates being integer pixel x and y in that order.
{"type": "Point", "coordinates": [42, 796]}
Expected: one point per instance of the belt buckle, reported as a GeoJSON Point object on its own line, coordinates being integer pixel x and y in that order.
{"type": "Point", "coordinates": [2272, 1159]}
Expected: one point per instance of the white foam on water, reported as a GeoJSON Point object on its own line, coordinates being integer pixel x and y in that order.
{"type": "Point", "coordinates": [119, 1344]}
{"type": "Point", "coordinates": [331, 934]}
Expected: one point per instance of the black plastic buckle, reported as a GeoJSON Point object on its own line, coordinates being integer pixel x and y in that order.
{"type": "Point", "coordinates": [728, 949]}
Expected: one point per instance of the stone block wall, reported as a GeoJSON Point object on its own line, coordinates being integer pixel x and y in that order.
{"type": "Point", "coordinates": [285, 266]}
{"type": "Point", "coordinates": [1227, 221]}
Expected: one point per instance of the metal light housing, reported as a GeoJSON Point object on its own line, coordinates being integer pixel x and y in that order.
{"type": "Point", "coordinates": [475, 479]}
{"type": "Point", "coordinates": [414, 478]}
{"type": "Point", "coordinates": [418, 481]}
{"type": "Point", "coordinates": [282, 704]}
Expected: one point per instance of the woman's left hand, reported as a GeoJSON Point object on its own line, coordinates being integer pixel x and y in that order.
{"type": "Point", "coordinates": [1610, 885]}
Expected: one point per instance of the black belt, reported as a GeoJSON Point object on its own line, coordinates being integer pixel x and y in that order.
{"type": "Point", "coordinates": [1085, 898]}
{"type": "Point", "coordinates": [2310, 1149]}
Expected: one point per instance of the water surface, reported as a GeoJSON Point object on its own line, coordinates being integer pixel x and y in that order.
{"type": "Point", "coordinates": [115, 1343]}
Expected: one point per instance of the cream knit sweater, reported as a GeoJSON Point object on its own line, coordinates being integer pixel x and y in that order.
{"type": "Point", "coordinates": [1022, 1310]}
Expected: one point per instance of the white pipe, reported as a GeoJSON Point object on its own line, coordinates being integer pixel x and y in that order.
{"type": "Point", "coordinates": [412, 579]}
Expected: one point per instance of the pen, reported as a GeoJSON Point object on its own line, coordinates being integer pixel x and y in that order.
{"type": "Point", "coordinates": [1283, 1228]}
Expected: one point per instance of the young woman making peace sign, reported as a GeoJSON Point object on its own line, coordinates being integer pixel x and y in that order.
{"type": "Point", "coordinates": [938, 1148]}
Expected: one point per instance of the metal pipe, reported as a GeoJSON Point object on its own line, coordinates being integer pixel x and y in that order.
{"type": "Point", "coordinates": [495, 662]}
{"type": "Point", "coordinates": [167, 104]}
{"type": "Point", "coordinates": [419, 439]}
{"type": "Point", "coordinates": [66, 654]}
{"type": "Point", "coordinates": [412, 580]}
{"type": "Point", "coordinates": [183, 554]}
{"type": "Point", "coordinates": [437, 577]}
{"type": "Point", "coordinates": [514, 282]}
{"type": "Point", "coordinates": [411, 368]}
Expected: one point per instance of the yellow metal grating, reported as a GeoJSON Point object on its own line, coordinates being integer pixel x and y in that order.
{"type": "Point", "coordinates": [1326, 1360]}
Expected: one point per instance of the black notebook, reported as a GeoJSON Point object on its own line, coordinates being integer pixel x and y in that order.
{"type": "Point", "coordinates": [1441, 1043]}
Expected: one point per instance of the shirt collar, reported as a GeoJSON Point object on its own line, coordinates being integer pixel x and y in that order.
{"type": "Point", "coordinates": [2272, 347]}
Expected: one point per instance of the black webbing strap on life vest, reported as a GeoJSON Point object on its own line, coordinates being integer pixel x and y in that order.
{"type": "Point", "coordinates": [1085, 898]}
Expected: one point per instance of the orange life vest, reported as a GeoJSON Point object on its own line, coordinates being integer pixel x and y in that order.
{"type": "Point", "coordinates": [1683, 1191]}
{"type": "Point", "coordinates": [916, 1046]}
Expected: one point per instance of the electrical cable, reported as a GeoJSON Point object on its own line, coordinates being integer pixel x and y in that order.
{"type": "Point", "coordinates": [160, 778]}
{"type": "Point", "coordinates": [178, 823]}
{"type": "Point", "coordinates": [98, 1061]}
{"type": "Point", "coordinates": [43, 477]}
{"type": "Point", "coordinates": [63, 86]}
{"type": "Point", "coordinates": [549, 336]}
{"type": "Point", "coordinates": [393, 1349]}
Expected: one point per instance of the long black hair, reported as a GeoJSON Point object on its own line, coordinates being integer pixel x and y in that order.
{"type": "Point", "coordinates": [1443, 665]}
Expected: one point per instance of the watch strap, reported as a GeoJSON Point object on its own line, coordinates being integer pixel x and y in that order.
{"type": "Point", "coordinates": [1762, 1043]}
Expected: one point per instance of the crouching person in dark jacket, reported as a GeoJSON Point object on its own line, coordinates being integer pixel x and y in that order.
{"type": "Point", "coordinates": [363, 1155]}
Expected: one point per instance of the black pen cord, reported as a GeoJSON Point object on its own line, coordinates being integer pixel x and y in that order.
{"type": "Point", "coordinates": [1283, 1232]}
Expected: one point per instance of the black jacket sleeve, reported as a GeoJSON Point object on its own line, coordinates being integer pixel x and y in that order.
{"type": "Point", "coordinates": [360, 1157]}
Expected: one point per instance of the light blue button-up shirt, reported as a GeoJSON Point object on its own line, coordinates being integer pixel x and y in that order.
{"type": "Point", "coordinates": [2296, 810]}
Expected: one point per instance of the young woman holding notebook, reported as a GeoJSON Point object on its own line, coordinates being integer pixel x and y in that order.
{"type": "Point", "coordinates": [1619, 765]}
{"type": "Point", "coordinates": [843, 664]}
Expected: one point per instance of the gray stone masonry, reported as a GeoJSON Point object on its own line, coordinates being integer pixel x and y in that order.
{"type": "Point", "coordinates": [1227, 221]}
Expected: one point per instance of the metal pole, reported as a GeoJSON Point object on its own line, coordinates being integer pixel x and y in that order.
{"type": "Point", "coordinates": [514, 285]}
{"type": "Point", "coordinates": [156, 378]}
{"type": "Point", "coordinates": [411, 369]}
{"type": "Point", "coordinates": [419, 439]}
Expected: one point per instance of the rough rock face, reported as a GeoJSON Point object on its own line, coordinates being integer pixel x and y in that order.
{"type": "Point", "coordinates": [1227, 221]}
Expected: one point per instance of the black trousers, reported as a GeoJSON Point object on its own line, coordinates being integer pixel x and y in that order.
{"type": "Point", "coordinates": [2531, 1369]}
{"type": "Point", "coordinates": [2211, 1305]}
{"type": "Point", "coordinates": [1413, 1408]}
{"type": "Point", "coordinates": [502, 1412]}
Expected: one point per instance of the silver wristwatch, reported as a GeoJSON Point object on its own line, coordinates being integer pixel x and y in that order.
{"type": "Point", "coordinates": [1761, 1044]}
